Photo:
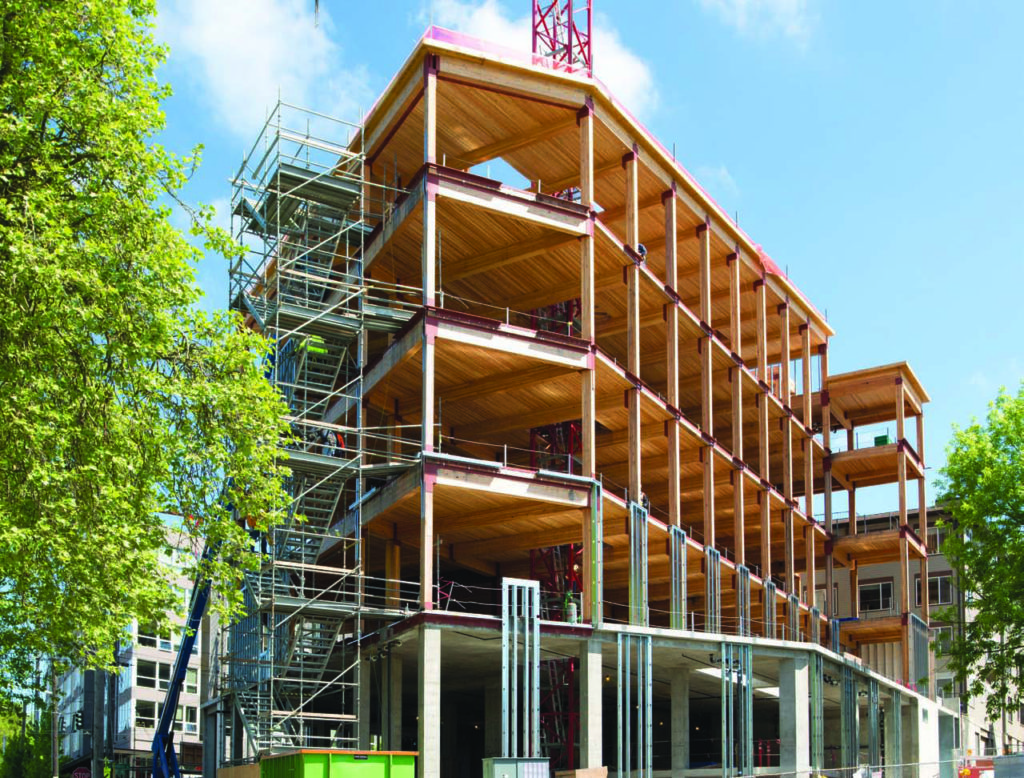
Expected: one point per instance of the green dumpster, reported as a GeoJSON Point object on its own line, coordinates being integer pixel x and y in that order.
{"type": "Point", "coordinates": [339, 764]}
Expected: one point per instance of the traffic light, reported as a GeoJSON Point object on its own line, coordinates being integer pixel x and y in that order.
{"type": "Point", "coordinates": [77, 721]}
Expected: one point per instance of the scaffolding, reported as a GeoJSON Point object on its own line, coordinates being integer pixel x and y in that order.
{"type": "Point", "coordinates": [302, 211]}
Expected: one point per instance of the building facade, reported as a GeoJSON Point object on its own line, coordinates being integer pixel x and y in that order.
{"type": "Point", "coordinates": [567, 457]}
{"type": "Point", "coordinates": [131, 700]}
{"type": "Point", "coordinates": [878, 595]}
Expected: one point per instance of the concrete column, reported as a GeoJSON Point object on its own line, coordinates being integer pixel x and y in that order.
{"type": "Point", "coordinates": [492, 719]}
{"type": "Point", "coordinates": [591, 680]}
{"type": "Point", "coordinates": [392, 702]}
{"type": "Point", "coordinates": [794, 716]}
{"type": "Point", "coordinates": [893, 748]}
{"type": "Point", "coordinates": [366, 671]}
{"type": "Point", "coordinates": [680, 690]}
{"type": "Point", "coordinates": [429, 730]}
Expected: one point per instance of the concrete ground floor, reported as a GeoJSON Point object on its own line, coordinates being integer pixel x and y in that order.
{"type": "Point", "coordinates": [658, 701]}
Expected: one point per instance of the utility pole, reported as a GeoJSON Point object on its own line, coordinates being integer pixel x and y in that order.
{"type": "Point", "coordinates": [98, 688]}
{"type": "Point", "coordinates": [54, 767]}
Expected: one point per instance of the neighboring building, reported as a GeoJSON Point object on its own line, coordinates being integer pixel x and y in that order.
{"type": "Point", "coordinates": [878, 593]}
{"type": "Point", "coordinates": [574, 420]}
{"type": "Point", "coordinates": [132, 701]}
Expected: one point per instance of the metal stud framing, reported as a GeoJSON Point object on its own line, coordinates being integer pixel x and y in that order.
{"type": "Point", "coordinates": [771, 626]}
{"type": "Point", "coordinates": [742, 600]}
{"type": "Point", "coordinates": [835, 634]}
{"type": "Point", "coordinates": [793, 617]}
{"type": "Point", "coordinates": [894, 743]}
{"type": "Point", "coordinates": [918, 654]}
{"type": "Point", "coordinates": [635, 713]}
{"type": "Point", "coordinates": [712, 590]}
{"type": "Point", "coordinates": [737, 671]}
{"type": "Point", "coordinates": [850, 745]}
{"type": "Point", "coordinates": [677, 557]}
{"type": "Point", "coordinates": [817, 684]}
{"type": "Point", "coordinates": [874, 752]}
{"type": "Point", "coordinates": [596, 555]}
{"type": "Point", "coordinates": [815, 633]}
{"type": "Point", "coordinates": [638, 610]}
{"type": "Point", "coordinates": [520, 696]}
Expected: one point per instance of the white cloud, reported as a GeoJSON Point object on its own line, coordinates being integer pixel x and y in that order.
{"type": "Point", "coordinates": [627, 75]}
{"type": "Point", "coordinates": [764, 18]}
{"type": "Point", "coordinates": [718, 180]}
{"type": "Point", "coordinates": [245, 53]}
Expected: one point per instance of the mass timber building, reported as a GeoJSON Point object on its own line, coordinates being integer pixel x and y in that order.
{"type": "Point", "coordinates": [567, 455]}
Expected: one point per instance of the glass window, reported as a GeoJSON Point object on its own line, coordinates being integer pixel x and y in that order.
{"type": "Point", "coordinates": [147, 674]}
{"type": "Point", "coordinates": [940, 589]}
{"type": "Point", "coordinates": [192, 681]}
{"type": "Point", "coordinates": [942, 637]}
{"type": "Point", "coordinates": [876, 596]}
{"type": "Point", "coordinates": [191, 718]}
{"type": "Point", "coordinates": [945, 687]}
{"type": "Point", "coordinates": [145, 713]}
{"type": "Point", "coordinates": [819, 599]}
{"type": "Point", "coordinates": [936, 536]}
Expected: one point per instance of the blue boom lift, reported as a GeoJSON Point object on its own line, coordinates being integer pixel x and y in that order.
{"type": "Point", "coordinates": [165, 760]}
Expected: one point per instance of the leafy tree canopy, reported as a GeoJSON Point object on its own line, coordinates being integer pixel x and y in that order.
{"type": "Point", "coordinates": [983, 489]}
{"type": "Point", "coordinates": [119, 399]}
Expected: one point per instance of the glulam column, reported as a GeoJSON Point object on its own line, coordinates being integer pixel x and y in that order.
{"type": "Point", "coordinates": [631, 163]}
{"type": "Point", "coordinates": [706, 388]}
{"type": "Point", "coordinates": [734, 265]}
{"type": "Point", "coordinates": [670, 201]}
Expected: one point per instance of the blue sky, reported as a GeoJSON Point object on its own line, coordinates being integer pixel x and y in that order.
{"type": "Point", "coordinates": [873, 148]}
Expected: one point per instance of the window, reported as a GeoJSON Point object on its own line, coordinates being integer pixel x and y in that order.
{"type": "Point", "coordinates": [153, 675]}
{"type": "Point", "coordinates": [940, 589]}
{"type": "Point", "coordinates": [145, 714]}
{"type": "Point", "coordinates": [191, 719]}
{"type": "Point", "coordinates": [936, 537]}
{"type": "Point", "coordinates": [819, 599]}
{"type": "Point", "coordinates": [944, 686]}
{"type": "Point", "coordinates": [150, 638]}
{"type": "Point", "coordinates": [876, 596]}
{"type": "Point", "coordinates": [191, 681]}
{"type": "Point", "coordinates": [941, 638]}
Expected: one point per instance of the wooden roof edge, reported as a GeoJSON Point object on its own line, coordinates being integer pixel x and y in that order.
{"type": "Point", "coordinates": [644, 136]}
{"type": "Point", "coordinates": [897, 369]}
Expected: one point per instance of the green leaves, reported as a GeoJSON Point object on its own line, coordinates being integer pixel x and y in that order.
{"type": "Point", "coordinates": [120, 403]}
{"type": "Point", "coordinates": [983, 488]}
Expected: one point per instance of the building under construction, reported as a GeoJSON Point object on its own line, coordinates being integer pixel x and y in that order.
{"type": "Point", "coordinates": [566, 457]}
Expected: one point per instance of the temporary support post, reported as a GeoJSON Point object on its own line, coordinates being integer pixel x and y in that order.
{"type": "Point", "coordinates": [894, 735]}
{"type": "Point", "coordinates": [712, 590]}
{"type": "Point", "coordinates": [771, 626]}
{"type": "Point", "coordinates": [817, 686]}
{"type": "Point", "coordinates": [743, 600]}
{"type": "Point", "coordinates": [854, 589]}
{"type": "Point", "coordinates": [593, 558]}
{"type": "Point", "coordinates": [793, 617]}
{"type": "Point", "coordinates": [737, 708]}
{"type": "Point", "coordinates": [520, 678]}
{"type": "Point", "coordinates": [635, 716]}
{"type": "Point", "coordinates": [631, 162]}
{"type": "Point", "coordinates": [672, 354]}
{"type": "Point", "coordinates": [849, 712]}
{"type": "Point", "coordinates": [677, 560]}
{"type": "Point", "coordinates": [638, 610]}
{"type": "Point", "coordinates": [874, 752]}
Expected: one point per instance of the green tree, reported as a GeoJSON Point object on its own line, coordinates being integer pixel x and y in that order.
{"type": "Point", "coordinates": [28, 754]}
{"type": "Point", "coordinates": [120, 401]}
{"type": "Point", "coordinates": [982, 487]}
